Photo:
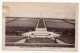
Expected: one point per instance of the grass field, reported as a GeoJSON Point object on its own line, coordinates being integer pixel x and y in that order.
{"type": "Point", "coordinates": [67, 39]}
{"type": "Point", "coordinates": [13, 38]}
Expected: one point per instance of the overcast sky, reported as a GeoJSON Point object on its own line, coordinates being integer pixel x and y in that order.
{"type": "Point", "coordinates": [48, 10]}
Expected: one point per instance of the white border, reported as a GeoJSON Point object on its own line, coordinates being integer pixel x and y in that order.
{"type": "Point", "coordinates": [69, 1]}
{"type": "Point", "coordinates": [65, 1]}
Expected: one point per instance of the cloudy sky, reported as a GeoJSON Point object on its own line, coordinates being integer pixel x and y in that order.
{"type": "Point", "coordinates": [48, 10]}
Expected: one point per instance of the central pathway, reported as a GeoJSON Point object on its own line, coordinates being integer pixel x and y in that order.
{"type": "Point", "coordinates": [41, 24]}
